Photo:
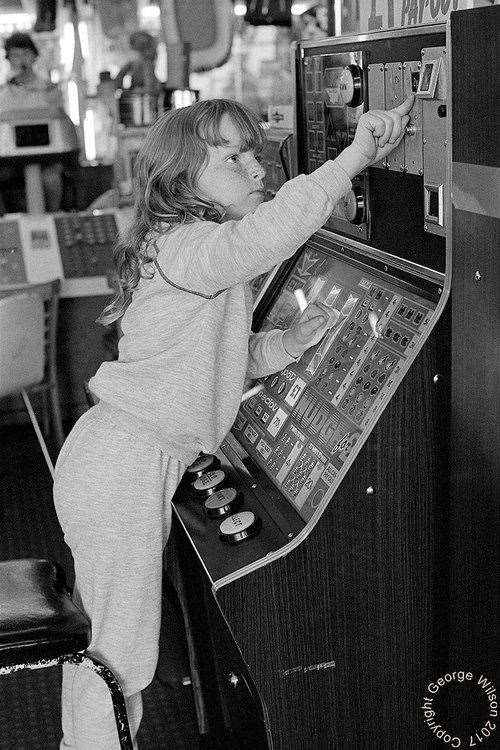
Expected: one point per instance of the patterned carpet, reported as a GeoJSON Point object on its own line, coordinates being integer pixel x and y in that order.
{"type": "Point", "coordinates": [29, 701]}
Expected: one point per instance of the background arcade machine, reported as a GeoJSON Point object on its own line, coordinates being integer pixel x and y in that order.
{"type": "Point", "coordinates": [76, 248]}
{"type": "Point", "coordinates": [277, 158]}
{"type": "Point", "coordinates": [329, 556]}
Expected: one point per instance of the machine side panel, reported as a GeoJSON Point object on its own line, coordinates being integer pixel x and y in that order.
{"type": "Point", "coordinates": [475, 433]}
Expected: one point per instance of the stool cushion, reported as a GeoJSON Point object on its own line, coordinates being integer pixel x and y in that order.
{"type": "Point", "coordinates": [38, 619]}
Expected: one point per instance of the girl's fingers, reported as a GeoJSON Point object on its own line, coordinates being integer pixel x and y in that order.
{"type": "Point", "coordinates": [313, 324]}
{"type": "Point", "coordinates": [396, 131]}
{"type": "Point", "coordinates": [388, 122]}
{"type": "Point", "coordinates": [405, 106]}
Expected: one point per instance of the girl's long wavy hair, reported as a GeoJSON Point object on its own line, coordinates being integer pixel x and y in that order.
{"type": "Point", "coordinates": [165, 184]}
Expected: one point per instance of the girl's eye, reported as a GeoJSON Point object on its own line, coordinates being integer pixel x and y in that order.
{"type": "Point", "coordinates": [233, 159]}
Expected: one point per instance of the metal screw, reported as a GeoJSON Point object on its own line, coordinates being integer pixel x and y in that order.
{"type": "Point", "coordinates": [477, 276]}
{"type": "Point", "coordinates": [370, 490]}
{"type": "Point", "coordinates": [425, 227]}
{"type": "Point", "coordinates": [290, 535]}
{"type": "Point", "coordinates": [437, 378]}
{"type": "Point", "coordinates": [233, 679]}
{"type": "Point", "coordinates": [424, 140]}
{"type": "Point", "coordinates": [186, 681]}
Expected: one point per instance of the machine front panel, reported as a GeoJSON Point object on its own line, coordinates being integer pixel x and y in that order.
{"type": "Point", "coordinates": [304, 425]}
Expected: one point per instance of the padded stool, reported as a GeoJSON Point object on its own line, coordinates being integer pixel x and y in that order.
{"type": "Point", "coordinates": [41, 627]}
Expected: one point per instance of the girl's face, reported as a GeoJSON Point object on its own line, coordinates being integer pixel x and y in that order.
{"type": "Point", "coordinates": [232, 178]}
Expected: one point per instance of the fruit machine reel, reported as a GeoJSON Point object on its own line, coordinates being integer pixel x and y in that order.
{"type": "Point", "coordinates": [312, 552]}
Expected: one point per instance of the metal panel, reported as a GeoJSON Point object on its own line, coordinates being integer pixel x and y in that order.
{"type": "Point", "coordinates": [376, 95]}
{"type": "Point", "coordinates": [393, 98]}
{"type": "Point", "coordinates": [413, 138]}
{"type": "Point", "coordinates": [434, 148]}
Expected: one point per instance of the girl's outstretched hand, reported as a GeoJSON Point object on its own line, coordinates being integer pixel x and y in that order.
{"type": "Point", "coordinates": [377, 134]}
{"type": "Point", "coordinates": [310, 328]}
{"type": "Point", "coordinates": [379, 131]}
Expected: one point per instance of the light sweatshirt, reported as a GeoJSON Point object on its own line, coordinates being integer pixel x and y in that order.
{"type": "Point", "coordinates": [184, 355]}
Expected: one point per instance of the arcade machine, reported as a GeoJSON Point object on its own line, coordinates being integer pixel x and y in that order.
{"type": "Point", "coordinates": [329, 557]}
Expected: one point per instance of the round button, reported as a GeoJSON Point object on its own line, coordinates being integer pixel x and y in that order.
{"type": "Point", "coordinates": [202, 464]}
{"type": "Point", "coordinates": [209, 483]}
{"type": "Point", "coordinates": [222, 502]}
{"type": "Point", "coordinates": [239, 526]}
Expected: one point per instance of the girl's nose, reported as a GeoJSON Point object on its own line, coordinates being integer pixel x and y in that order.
{"type": "Point", "coordinates": [256, 170]}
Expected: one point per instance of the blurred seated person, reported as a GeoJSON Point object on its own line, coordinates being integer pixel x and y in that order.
{"type": "Point", "coordinates": [141, 68]}
{"type": "Point", "coordinates": [27, 90]}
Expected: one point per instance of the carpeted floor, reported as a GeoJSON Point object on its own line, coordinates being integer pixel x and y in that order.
{"type": "Point", "coordinates": [29, 701]}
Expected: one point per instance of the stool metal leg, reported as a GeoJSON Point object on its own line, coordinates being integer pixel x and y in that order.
{"type": "Point", "coordinates": [115, 690]}
{"type": "Point", "coordinates": [114, 687]}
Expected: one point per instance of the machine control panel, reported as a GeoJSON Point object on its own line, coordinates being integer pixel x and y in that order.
{"type": "Point", "coordinates": [222, 500]}
{"type": "Point", "coordinates": [77, 248]}
{"type": "Point", "coordinates": [85, 243]}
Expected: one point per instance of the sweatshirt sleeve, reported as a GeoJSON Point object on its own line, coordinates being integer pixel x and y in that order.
{"type": "Point", "coordinates": [266, 354]}
{"type": "Point", "coordinates": [207, 257]}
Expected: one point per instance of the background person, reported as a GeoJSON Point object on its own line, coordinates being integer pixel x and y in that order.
{"type": "Point", "coordinates": [27, 90]}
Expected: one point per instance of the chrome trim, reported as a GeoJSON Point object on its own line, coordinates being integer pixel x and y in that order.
{"type": "Point", "coordinates": [373, 36]}
{"type": "Point", "coordinates": [449, 151]}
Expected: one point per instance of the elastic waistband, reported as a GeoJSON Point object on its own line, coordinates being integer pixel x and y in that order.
{"type": "Point", "coordinates": [144, 431]}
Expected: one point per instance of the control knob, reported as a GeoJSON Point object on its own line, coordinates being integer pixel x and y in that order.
{"type": "Point", "coordinates": [222, 502]}
{"type": "Point", "coordinates": [239, 526]}
{"type": "Point", "coordinates": [209, 483]}
{"type": "Point", "coordinates": [352, 206]}
{"type": "Point", "coordinates": [203, 463]}
{"type": "Point", "coordinates": [351, 85]}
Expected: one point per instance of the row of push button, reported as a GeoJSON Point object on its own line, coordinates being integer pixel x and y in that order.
{"type": "Point", "coordinates": [209, 483]}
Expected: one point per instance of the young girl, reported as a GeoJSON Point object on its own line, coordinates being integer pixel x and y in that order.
{"type": "Point", "coordinates": [201, 232]}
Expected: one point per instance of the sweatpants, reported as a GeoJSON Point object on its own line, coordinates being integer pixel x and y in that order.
{"type": "Point", "coordinates": [112, 495]}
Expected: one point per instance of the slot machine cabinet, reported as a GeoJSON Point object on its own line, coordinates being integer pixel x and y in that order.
{"type": "Point", "coordinates": [319, 554]}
